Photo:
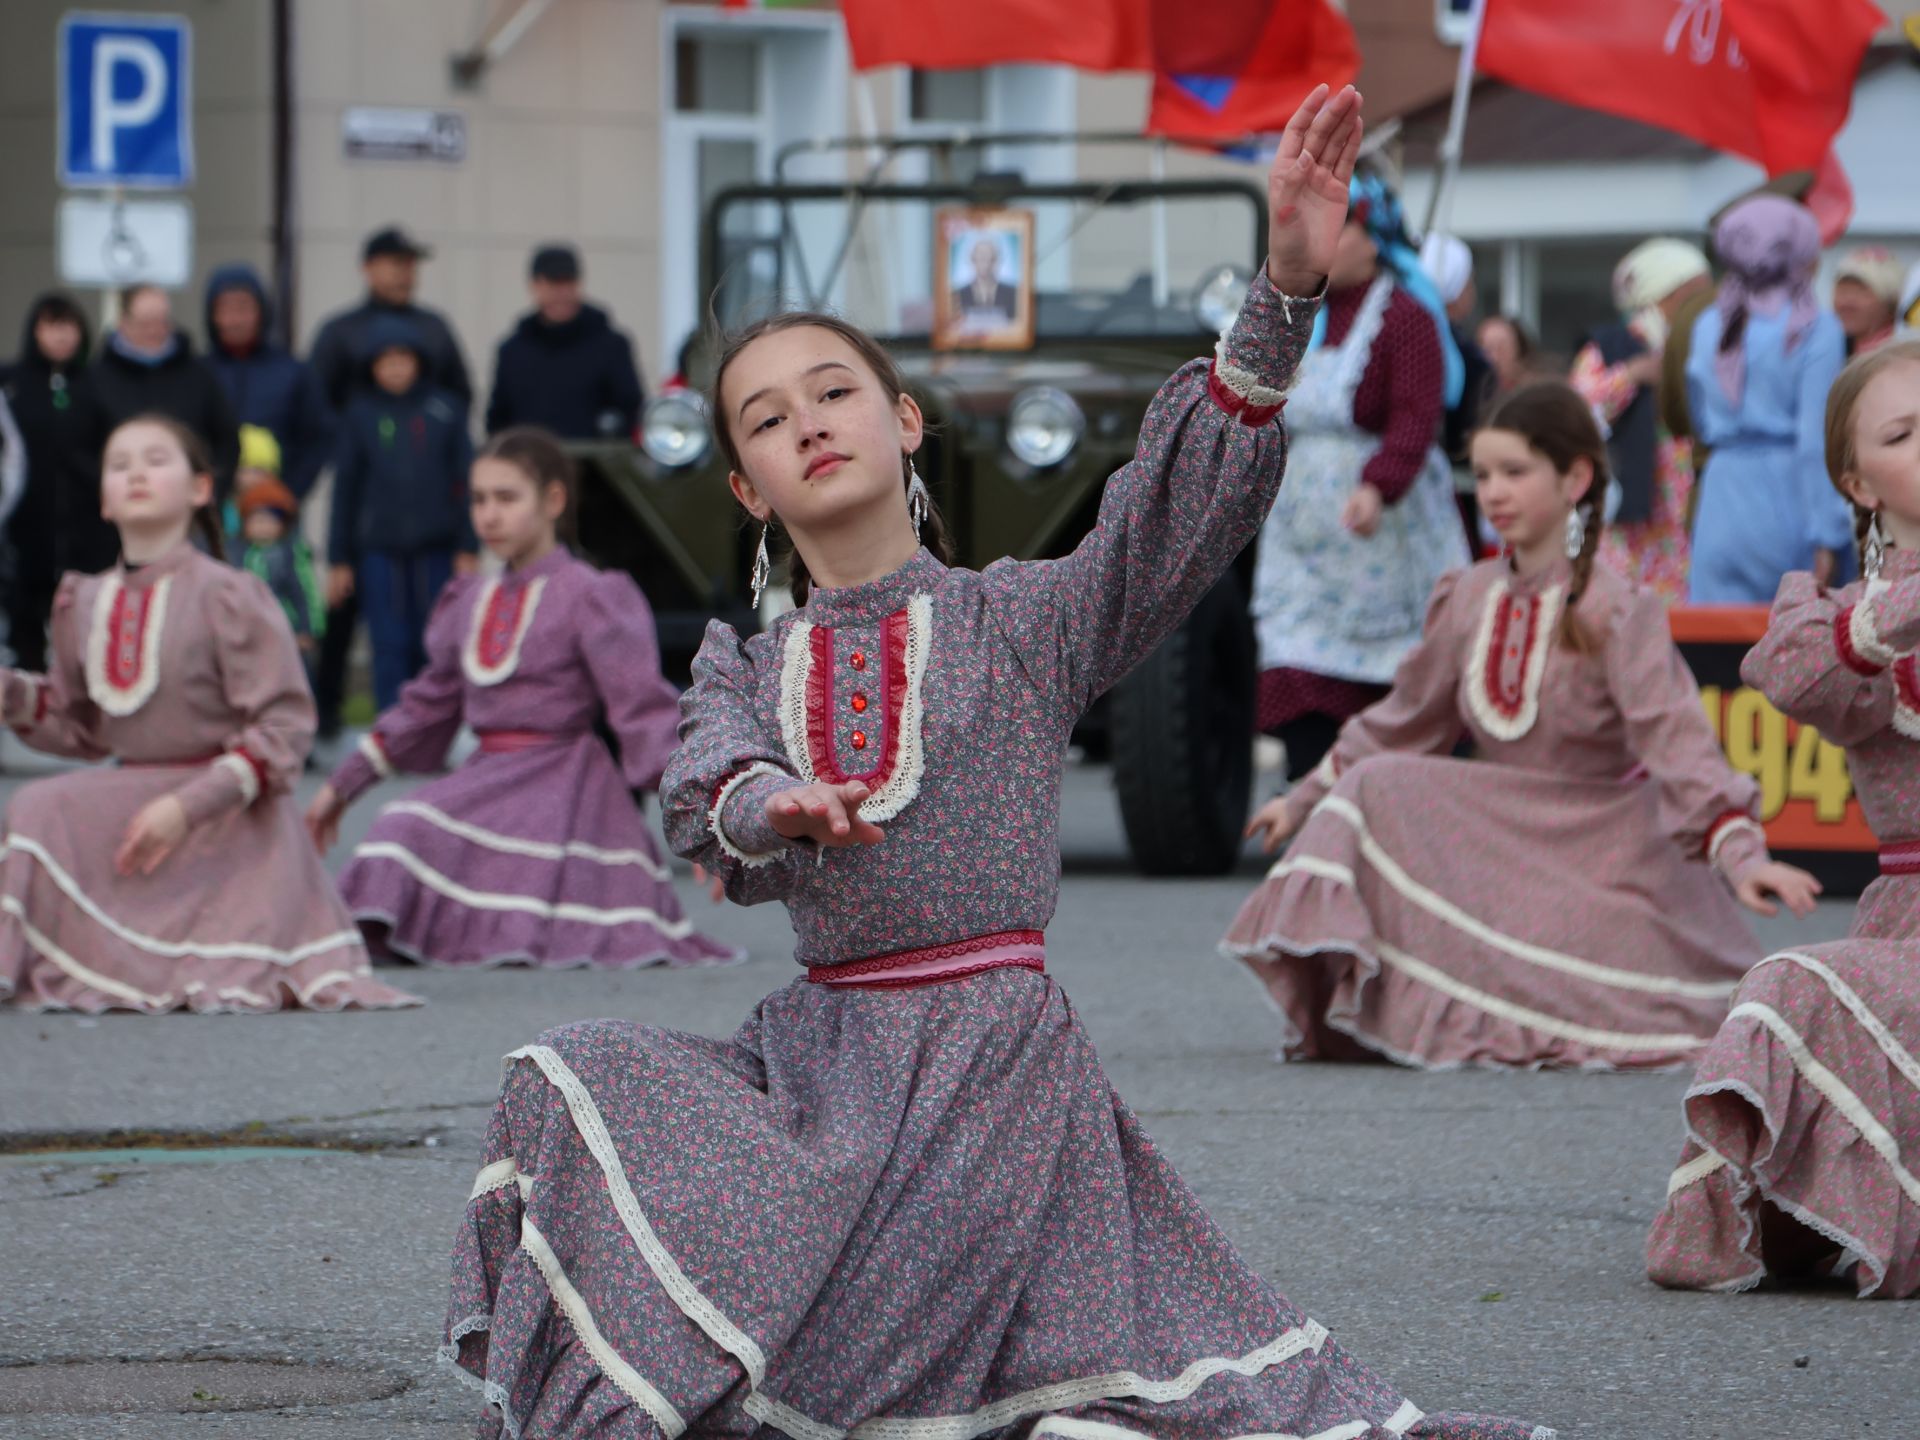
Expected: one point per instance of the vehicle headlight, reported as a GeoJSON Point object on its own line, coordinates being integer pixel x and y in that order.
{"type": "Point", "coordinates": [1217, 302]}
{"type": "Point", "coordinates": [673, 429]}
{"type": "Point", "coordinates": [1043, 426]}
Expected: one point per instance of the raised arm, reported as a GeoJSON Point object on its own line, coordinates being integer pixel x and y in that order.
{"type": "Point", "coordinates": [1708, 808]}
{"type": "Point", "coordinates": [265, 688]}
{"type": "Point", "coordinates": [1825, 662]}
{"type": "Point", "coordinates": [1210, 457]}
{"type": "Point", "coordinates": [1419, 716]}
{"type": "Point", "coordinates": [622, 652]}
{"type": "Point", "coordinates": [713, 796]}
{"type": "Point", "coordinates": [53, 712]}
{"type": "Point", "coordinates": [415, 734]}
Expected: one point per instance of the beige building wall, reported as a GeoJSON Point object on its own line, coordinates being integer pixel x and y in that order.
{"type": "Point", "coordinates": [563, 142]}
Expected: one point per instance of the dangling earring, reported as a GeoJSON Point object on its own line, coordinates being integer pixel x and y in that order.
{"type": "Point", "coordinates": [762, 567]}
{"type": "Point", "coordinates": [918, 501]}
{"type": "Point", "coordinates": [1576, 533]}
{"type": "Point", "coordinates": [1874, 553]}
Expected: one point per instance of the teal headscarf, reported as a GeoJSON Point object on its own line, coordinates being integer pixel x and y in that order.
{"type": "Point", "coordinates": [1379, 209]}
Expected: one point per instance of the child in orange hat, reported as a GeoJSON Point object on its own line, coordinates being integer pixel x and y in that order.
{"type": "Point", "coordinates": [271, 545]}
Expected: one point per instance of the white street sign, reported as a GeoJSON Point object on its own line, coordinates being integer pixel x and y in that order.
{"type": "Point", "coordinates": [374, 133]}
{"type": "Point", "coordinates": [113, 243]}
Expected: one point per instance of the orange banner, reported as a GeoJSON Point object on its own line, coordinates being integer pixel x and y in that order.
{"type": "Point", "coordinates": [1806, 795]}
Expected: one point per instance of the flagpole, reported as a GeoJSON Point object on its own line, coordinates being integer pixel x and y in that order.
{"type": "Point", "coordinates": [1454, 142]}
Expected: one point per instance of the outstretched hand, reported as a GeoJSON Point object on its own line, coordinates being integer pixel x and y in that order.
{"type": "Point", "coordinates": [1796, 889]}
{"type": "Point", "coordinates": [824, 814]}
{"type": "Point", "coordinates": [1307, 188]}
{"type": "Point", "coordinates": [1273, 824]}
{"type": "Point", "coordinates": [323, 817]}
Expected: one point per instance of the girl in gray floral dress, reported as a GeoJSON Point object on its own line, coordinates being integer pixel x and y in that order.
{"type": "Point", "coordinates": [904, 1202]}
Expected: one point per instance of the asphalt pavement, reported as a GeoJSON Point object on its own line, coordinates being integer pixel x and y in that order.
{"type": "Point", "coordinates": [1476, 1237]}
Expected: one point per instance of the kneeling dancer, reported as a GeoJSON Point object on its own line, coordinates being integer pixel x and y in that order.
{"type": "Point", "coordinates": [904, 1200]}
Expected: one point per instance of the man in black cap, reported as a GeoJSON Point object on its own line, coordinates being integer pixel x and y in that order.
{"type": "Point", "coordinates": [564, 366]}
{"type": "Point", "coordinates": [390, 260]}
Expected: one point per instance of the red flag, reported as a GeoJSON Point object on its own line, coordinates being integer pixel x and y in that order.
{"type": "Point", "coordinates": [1245, 69]}
{"type": "Point", "coordinates": [957, 34]}
{"type": "Point", "coordinates": [1768, 79]}
{"type": "Point", "coordinates": [1248, 83]}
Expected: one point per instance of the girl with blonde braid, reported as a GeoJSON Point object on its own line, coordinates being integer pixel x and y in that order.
{"type": "Point", "coordinates": [1555, 901]}
{"type": "Point", "coordinates": [1803, 1119]}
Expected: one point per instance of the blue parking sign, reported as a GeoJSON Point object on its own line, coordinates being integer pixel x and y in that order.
{"type": "Point", "coordinates": [126, 100]}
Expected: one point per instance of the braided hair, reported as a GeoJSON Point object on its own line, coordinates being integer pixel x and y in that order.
{"type": "Point", "coordinates": [1843, 400]}
{"type": "Point", "coordinates": [1555, 421]}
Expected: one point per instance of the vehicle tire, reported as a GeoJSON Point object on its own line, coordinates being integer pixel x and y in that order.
{"type": "Point", "coordinates": [1182, 728]}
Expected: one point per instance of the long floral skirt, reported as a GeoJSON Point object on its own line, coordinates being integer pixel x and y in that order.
{"type": "Point", "coordinates": [906, 1215]}
{"type": "Point", "coordinates": [1443, 912]}
{"type": "Point", "coordinates": [1808, 1100]}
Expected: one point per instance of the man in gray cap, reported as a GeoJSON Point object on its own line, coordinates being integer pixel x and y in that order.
{"type": "Point", "coordinates": [564, 366]}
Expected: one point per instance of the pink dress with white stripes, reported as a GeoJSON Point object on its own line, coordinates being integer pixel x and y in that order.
{"type": "Point", "coordinates": [183, 671]}
{"type": "Point", "coordinates": [1552, 902]}
{"type": "Point", "coordinates": [1808, 1100]}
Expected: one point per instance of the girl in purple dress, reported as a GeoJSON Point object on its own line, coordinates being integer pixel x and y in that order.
{"type": "Point", "coordinates": [904, 1201]}
{"type": "Point", "coordinates": [1803, 1119]}
{"type": "Point", "coordinates": [533, 852]}
{"type": "Point", "coordinates": [177, 878]}
{"type": "Point", "coordinates": [1553, 901]}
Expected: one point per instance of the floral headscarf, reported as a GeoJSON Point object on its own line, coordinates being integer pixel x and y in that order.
{"type": "Point", "coordinates": [1373, 204]}
{"type": "Point", "coordinates": [1770, 247]}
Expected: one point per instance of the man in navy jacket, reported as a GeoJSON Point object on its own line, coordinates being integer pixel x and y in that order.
{"type": "Point", "coordinates": [564, 367]}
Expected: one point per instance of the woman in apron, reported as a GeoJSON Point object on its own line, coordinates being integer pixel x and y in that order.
{"type": "Point", "coordinates": [1366, 523]}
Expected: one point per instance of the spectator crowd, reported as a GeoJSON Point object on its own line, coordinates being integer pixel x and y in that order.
{"type": "Point", "coordinates": [381, 405]}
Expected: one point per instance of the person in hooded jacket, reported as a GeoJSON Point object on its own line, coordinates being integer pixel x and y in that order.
{"type": "Point", "coordinates": [564, 367]}
{"type": "Point", "coordinates": [147, 366]}
{"type": "Point", "coordinates": [265, 384]}
{"type": "Point", "coordinates": [58, 525]}
{"type": "Point", "coordinates": [401, 524]}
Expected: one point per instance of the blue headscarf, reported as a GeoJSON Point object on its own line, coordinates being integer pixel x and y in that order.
{"type": "Point", "coordinates": [1379, 209]}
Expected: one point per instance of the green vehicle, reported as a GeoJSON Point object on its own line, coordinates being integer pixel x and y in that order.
{"type": "Point", "coordinates": [1105, 287]}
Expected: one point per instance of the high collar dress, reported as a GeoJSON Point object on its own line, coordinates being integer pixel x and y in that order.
{"type": "Point", "coordinates": [534, 851]}
{"type": "Point", "coordinates": [904, 1201]}
{"type": "Point", "coordinates": [1809, 1097]}
{"type": "Point", "coordinates": [185, 673]}
{"type": "Point", "coordinates": [1553, 901]}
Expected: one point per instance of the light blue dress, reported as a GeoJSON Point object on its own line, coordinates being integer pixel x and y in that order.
{"type": "Point", "coordinates": [1766, 503]}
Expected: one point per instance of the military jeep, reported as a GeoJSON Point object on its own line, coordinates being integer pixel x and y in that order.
{"type": "Point", "coordinates": [1124, 280]}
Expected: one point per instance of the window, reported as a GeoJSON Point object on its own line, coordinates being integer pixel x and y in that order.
{"type": "Point", "coordinates": [947, 97]}
{"type": "Point", "coordinates": [716, 76]}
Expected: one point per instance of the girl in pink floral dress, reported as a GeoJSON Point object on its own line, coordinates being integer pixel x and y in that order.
{"type": "Point", "coordinates": [1803, 1119]}
{"type": "Point", "coordinates": [1554, 901]}
{"type": "Point", "coordinates": [178, 878]}
{"type": "Point", "coordinates": [904, 1200]}
{"type": "Point", "coordinates": [533, 852]}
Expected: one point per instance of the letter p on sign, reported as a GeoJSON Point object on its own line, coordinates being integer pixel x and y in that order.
{"type": "Point", "coordinates": [126, 101]}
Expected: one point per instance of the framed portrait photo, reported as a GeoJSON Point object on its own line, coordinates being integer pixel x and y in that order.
{"type": "Point", "coordinates": [982, 279]}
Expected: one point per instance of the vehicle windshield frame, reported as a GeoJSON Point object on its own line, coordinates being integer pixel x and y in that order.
{"type": "Point", "coordinates": [987, 191]}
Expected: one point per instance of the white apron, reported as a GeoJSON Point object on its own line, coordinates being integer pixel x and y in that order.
{"type": "Point", "coordinates": [1325, 600]}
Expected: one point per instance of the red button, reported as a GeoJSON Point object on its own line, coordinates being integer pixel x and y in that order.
{"type": "Point", "coordinates": [858, 660]}
{"type": "Point", "coordinates": [859, 738]}
{"type": "Point", "coordinates": [859, 703]}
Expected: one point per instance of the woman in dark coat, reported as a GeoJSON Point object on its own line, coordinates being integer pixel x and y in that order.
{"type": "Point", "coordinates": [58, 525]}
